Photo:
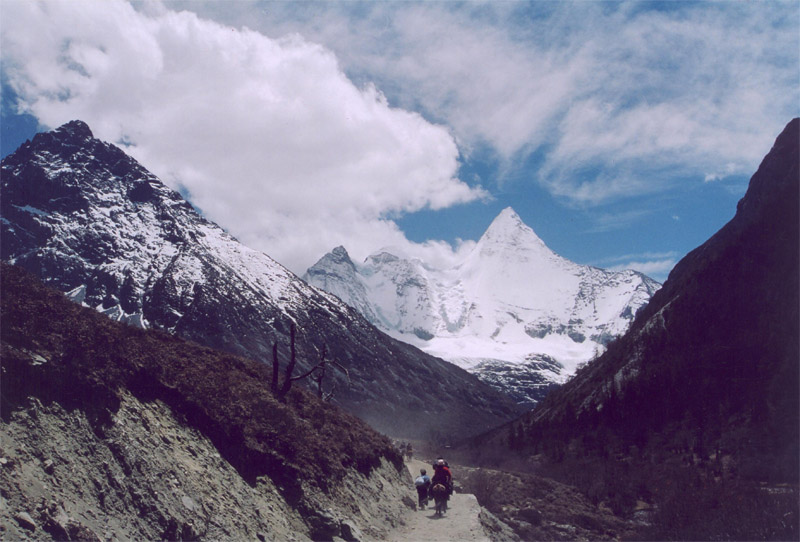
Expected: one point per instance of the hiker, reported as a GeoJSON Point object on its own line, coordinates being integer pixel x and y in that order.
{"type": "Point", "coordinates": [442, 475]}
{"type": "Point", "coordinates": [440, 458]}
{"type": "Point", "coordinates": [422, 483]}
{"type": "Point", "coordinates": [409, 452]}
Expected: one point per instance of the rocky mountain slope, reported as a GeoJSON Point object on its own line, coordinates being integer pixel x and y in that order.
{"type": "Point", "coordinates": [513, 312]}
{"type": "Point", "coordinates": [91, 221]}
{"type": "Point", "coordinates": [112, 432]}
{"type": "Point", "coordinates": [710, 367]}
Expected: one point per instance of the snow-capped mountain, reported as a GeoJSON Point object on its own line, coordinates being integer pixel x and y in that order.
{"type": "Point", "coordinates": [511, 300]}
{"type": "Point", "coordinates": [92, 222]}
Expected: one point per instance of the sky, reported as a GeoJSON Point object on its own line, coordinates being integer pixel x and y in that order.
{"type": "Point", "coordinates": [623, 133]}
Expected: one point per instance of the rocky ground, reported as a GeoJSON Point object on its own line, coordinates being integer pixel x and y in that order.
{"type": "Point", "coordinates": [108, 432]}
{"type": "Point", "coordinates": [149, 476]}
{"type": "Point", "coordinates": [539, 508]}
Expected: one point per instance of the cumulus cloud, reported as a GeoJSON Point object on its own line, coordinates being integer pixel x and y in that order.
{"type": "Point", "coordinates": [670, 94]}
{"type": "Point", "coordinates": [299, 135]}
{"type": "Point", "coordinates": [269, 137]}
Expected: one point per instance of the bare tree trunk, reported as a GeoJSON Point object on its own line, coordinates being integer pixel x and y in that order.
{"type": "Point", "coordinates": [275, 367]}
{"type": "Point", "coordinates": [320, 378]}
{"type": "Point", "coordinates": [287, 381]}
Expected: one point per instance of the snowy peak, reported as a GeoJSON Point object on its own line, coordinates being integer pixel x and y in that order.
{"type": "Point", "coordinates": [336, 274]}
{"type": "Point", "coordinates": [73, 135]}
{"type": "Point", "coordinates": [509, 230]}
{"type": "Point", "coordinates": [338, 258]}
{"type": "Point", "coordinates": [334, 267]}
{"type": "Point", "coordinates": [509, 239]}
{"type": "Point", "coordinates": [510, 300]}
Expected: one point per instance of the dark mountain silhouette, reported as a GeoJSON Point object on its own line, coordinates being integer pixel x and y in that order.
{"type": "Point", "coordinates": [697, 404]}
{"type": "Point", "coordinates": [92, 222]}
{"type": "Point", "coordinates": [714, 355]}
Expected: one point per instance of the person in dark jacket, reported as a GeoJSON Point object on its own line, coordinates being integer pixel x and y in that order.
{"type": "Point", "coordinates": [423, 484]}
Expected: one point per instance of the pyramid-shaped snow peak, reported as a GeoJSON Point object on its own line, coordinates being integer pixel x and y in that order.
{"type": "Point", "coordinates": [509, 230]}
{"type": "Point", "coordinates": [510, 300]}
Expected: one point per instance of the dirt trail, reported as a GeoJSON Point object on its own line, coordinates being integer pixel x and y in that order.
{"type": "Point", "coordinates": [460, 523]}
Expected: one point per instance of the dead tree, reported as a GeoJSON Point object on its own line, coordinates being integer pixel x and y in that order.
{"type": "Point", "coordinates": [275, 368]}
{"type": "Point", "coordinates": [320, 376]}
{"type": "Point", "coordinates": [287, 379]}
{"type": "Point", "coordinates": [319, 368]}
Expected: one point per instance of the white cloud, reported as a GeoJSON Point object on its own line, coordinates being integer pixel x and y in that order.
{"type": "Point", "coordinates": [273, 139]}
{"type": "Point", "coordinates": [269, 136]}
{"type": "Point", "coordinates": [656, 269]}
{"type": "Point", "coordinates": [656, 265]}
{"type": "Point", "coordinates": [609, 88]}
{"type": "Point", "coordinates": [729, 169]}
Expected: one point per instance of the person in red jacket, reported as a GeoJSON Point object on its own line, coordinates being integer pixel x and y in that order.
{"type": "Point", "coordinates": [442, 475]}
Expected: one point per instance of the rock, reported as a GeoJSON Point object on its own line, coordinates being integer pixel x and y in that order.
{"type": "Point", "coordinates": [350, 531]}
{"type": "Point", "coordinates": [56, 528]}
{"type": "Point", "coordinates": [323, 525]}
{"type": "Point", "coordinates": [188, 531]}
{"type": "Point", "coordinates": [530, 515]}
{"type": "Point", "coordinates": [48, 466]}
{"type": "Point", "coordinates": [496, 529]}
{"type": "Point", "coordinates": [409, 502]}
{"type": "Point", "coordinates": [261, 536]}
{"type": "Point", "coordinates": [188, 503]}
{"type": "Point", "coordinates": [37, 359]}
{"type": "Point", "coordinates": [25, 521]}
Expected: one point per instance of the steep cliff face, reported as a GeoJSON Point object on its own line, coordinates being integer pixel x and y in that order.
{"type": "Point", "coordinates": [92, 222]}
{"type": "Point", "coordinates": [113, 432]}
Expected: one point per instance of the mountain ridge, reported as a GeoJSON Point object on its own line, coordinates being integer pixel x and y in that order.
{"type": "Point", "coordinates": [689, 423]}
{"type": "Point", "coordinates": [91, 221]}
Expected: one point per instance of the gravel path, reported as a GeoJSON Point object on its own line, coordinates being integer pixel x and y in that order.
{"type": "Point", "coordinates": [459, 524]}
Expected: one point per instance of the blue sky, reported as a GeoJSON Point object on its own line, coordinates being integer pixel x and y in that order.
{"type": "Point", "coordinates": [623, 133]}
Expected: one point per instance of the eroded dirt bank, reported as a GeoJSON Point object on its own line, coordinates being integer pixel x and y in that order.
{"type": "Point", "coordinates": [149, 476]}
{"type": "Point", "coordinates": [112, 432]}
